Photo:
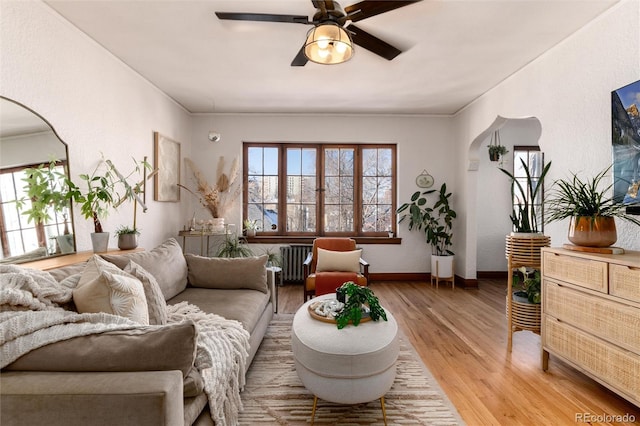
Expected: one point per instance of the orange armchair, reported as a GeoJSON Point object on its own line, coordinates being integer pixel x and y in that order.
{"type": "Point", "coordinates": [339, 262]}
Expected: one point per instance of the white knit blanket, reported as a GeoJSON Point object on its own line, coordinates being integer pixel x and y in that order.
{"type": "Point", "coordinates": [32, 316]}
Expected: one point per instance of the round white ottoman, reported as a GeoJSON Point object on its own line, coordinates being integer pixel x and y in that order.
{"type": "Point", "coordinates": [348, 366]}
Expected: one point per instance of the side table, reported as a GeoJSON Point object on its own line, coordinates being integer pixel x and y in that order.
{"type": "Point", "coordinates": [276, 271]}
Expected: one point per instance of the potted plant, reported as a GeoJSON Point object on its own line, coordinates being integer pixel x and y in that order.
{"type": "Point", "coordinates": [357, 298]}
{"type": "Point", "coordinates": [273, 257]}
{"type": "Point", "coordinates": [590, 210]}
{"type": "Point", "coordinates": [436, 222]}
{"type": "Point", "coordinates": [234, 247]}
{"type": "Point", "coordinates": [103, 189]}
{"type": "Point", "coordinates": [47, 188]}
{"type": "Point", "coordinates": [524, 215]}
{"type": "Point", "coordinates": [127, 237]}
{"type": "Point", "coordinates": [250, 227]}
{"type": "Point", "coordinates": [497, 151]}
{"type": "Point", "coordinates": [529, 289]}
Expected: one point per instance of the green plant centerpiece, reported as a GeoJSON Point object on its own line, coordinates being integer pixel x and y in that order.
{"type": "Point", "coordinates": [525, 216]}
{"type": "Point", "coordinates": [529, 288]}
{"type": "Point", "coordinates": [435, 221]}
{"type": "Point", "coordinates": [354, 298]}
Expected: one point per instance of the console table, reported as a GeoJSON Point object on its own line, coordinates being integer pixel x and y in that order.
{"type": "Point", "coordinates": [204, 236]}
{"type": "Point", "coordinates": [590, 316]}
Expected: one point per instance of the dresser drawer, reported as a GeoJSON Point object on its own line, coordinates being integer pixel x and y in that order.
{"type": "Point", "coordinates": [615, 322]}
{"type": "Point", "coordinates": [583, 272]}
{"type": "Point", "coordinates": [614, 366]}
{"type": "Point", "coordinates": [624, 281]}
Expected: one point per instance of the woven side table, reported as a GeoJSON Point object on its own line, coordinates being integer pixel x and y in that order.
{"type": "Point", "coordinates": [522, 250]}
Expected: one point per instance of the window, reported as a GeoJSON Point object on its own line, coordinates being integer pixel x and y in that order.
{"type": "Point", "coordinates": [534, 160]}
{"type": "Point", "coordinates": [320, 189]}
{"type": "Point", "coordinates": [17, 234]}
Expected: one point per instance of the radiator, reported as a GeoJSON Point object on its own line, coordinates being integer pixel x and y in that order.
{"type": "Point", "coordinates": [293, 257]}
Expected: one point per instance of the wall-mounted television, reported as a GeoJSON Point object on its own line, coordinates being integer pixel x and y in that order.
{"type": "Point", "coordinates": [625, 138]}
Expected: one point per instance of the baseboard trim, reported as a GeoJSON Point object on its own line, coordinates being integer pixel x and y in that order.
{"type": "Point", "coordinates": [493, 274]}
{"type": "Point", "coordinates": [419, 276]}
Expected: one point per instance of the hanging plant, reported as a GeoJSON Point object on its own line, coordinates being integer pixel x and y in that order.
{"type": "Point", "coordinates": [496, 149]}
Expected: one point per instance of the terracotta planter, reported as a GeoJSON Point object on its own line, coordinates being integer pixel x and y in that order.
{"type": "Point", "coordinates": [592, 231]}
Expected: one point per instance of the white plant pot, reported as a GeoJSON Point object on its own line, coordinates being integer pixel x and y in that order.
{"type": "Point", "coordinates": [100, 241]}
{"type": "Point", "coordinates": [442, 266]}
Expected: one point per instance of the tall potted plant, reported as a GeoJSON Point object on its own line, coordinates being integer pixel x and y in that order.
{"type": "Point", "coordinates": [524, 215]}
{"type": "Point", "coordinates": [591, 211]}
{"type": "Point", "coordinates": [436, 222]}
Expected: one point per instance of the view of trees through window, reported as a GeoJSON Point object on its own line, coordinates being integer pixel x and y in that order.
{"type": "Point", "coordinates": [321, 189]}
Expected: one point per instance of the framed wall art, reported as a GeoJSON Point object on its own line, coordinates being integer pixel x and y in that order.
{"type": "Point", "coordinates": [625, 138]}
{"type": "Point", "coordinates": [166, 155]}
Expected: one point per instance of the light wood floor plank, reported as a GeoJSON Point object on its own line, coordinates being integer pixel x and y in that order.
{"type": "Point", "coordinates": [461, 335]}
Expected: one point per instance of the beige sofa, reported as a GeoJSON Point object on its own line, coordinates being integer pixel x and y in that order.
{"type": "Point", "coordinates": [143, 376]}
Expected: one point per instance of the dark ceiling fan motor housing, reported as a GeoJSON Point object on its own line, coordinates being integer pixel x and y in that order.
{"type": "Point", "coordinates": [331, 11]}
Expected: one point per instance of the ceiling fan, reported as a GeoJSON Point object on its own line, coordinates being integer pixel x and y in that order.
{"type": "Point", "coordinates": [330, 39]}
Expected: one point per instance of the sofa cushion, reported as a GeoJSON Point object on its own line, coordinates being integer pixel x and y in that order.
{"type": "Point", "coordinates": [246, 306]}
{"type": "Point", "coordinates": [169, 347]}
{"type": "Point", "coordinates": [105, 288]}
{"type": "Point", "coordinates": [228, 273]}
{"type": "Point", "coordinates": [338, 261]}
{"type": "Point", "coordinates": [165, 262]}
{"type": "Point", "coordinates": [193, 384]}
{"type": "Point", "coordinates": [157, 306]}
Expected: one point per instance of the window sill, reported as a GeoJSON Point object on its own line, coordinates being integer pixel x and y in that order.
{"type": "Point", "coordinates": [262, 239]}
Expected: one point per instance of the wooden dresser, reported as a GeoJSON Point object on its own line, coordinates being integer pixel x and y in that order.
{"type": "Point", "coordinates": [591, 316]}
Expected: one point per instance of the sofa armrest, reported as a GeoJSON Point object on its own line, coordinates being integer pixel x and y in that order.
{"type": "Point", "coordinates": [116, 398]}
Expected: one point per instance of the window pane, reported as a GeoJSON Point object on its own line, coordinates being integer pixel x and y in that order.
{"type": "Point", "coordinates": [369, 162]}
{"type": "Point", "coordinates": [301, 189]}
{"type": "Point", "coordinates": [332, 190]}
{"type": "Point", "coordinates": [331, 162]}
{"type": "Point", "coordinates": [377, 187]}
{"type": "Point", "coordinates": [262, 190]}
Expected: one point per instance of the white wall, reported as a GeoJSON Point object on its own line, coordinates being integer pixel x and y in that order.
{"type": "Point", "coordinates": [568, 89]}
{"type": "Point", "coordinates": [96, 104]}
{"type": "Point", "coordinates": [423, 143]}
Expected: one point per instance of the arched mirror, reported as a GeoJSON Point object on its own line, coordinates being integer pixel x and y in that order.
{"type": "Point", "coordinates": [29, 145]}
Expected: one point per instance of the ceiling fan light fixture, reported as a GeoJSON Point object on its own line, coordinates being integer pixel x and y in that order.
{"type": "Point", "coordinates": [327, 44]}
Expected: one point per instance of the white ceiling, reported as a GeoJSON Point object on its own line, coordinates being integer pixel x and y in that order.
{"type": "Point", "coordinates": [453, 52]}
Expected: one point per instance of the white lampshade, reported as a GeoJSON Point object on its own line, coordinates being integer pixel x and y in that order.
{"type": "Point", "coordinates": [327, 44]}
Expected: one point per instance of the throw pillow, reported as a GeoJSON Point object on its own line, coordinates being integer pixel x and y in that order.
{"type": "Point", "coordinates": [155, 300]}
{"type": "Point", "coordinates": [338, 261]}
{"type": "Point", "coordinates": [228, 273]}
{"type": "Point", "coordinates": [165, 262]}
{"type": "Point", "coordinates": [105, 288]}
{"type": "Point", "coordinates": [170, 347]}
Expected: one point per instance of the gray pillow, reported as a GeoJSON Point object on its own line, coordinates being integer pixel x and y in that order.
{"type": "Point", "coordinates": [228, 273]}
{"type": "Point", "coordinates": [150, 348]}
{"type": "Point", "coordinates": [165, 262]}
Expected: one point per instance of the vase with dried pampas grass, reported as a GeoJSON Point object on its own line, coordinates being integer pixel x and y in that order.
{"type": "Point", "coordinates": [215, 198]}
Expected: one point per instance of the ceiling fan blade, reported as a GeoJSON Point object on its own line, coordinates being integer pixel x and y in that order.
{"type": "Point", "coordinates": [373, 43]}
{"type": "Point", "coordinates": [368, 8]}
{"type": "Point", "coordinates": [326, 4]}
{"type": "Point", "coordinates": [300, 60]}
{"type": "Point", "coordinates": [264, 17]}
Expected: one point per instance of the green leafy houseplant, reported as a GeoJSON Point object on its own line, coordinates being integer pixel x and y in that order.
{"type": "Point", "coordinates": [273, 257]}
{"type": "Point", "coordinates": [576, 197]}
{"type": "Point", "coordinates": [436, 221]}
{"type": "Point", "coordinates": [524, 216]}
{"type": "Point", "coordinates": [234, 247]}
{"type": "Point", "coordinates": [530, 285]}
{"type": "Point", "coordinates": [354, 296]}
{"type": "Point", "coordinates": [125, 230]}
{"type": "Point", "coordinates": [48, 189]}
{"type": "Point", "coordinates": [496, 151]}
{"type": "Point", "coordinates": [103, 188]}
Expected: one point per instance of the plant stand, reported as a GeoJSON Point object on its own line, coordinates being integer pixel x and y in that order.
{"type": "Point", "coordinates": [522, 250]}
{"type": "Point", "coordinates": [438, 268]}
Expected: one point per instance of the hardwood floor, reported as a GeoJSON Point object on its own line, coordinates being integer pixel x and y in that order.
{"type": "Point", "coordinates": [461, 335]}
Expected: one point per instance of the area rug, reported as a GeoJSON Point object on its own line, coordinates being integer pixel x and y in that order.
{"type": "Point", "coordinates": [274, 395]}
